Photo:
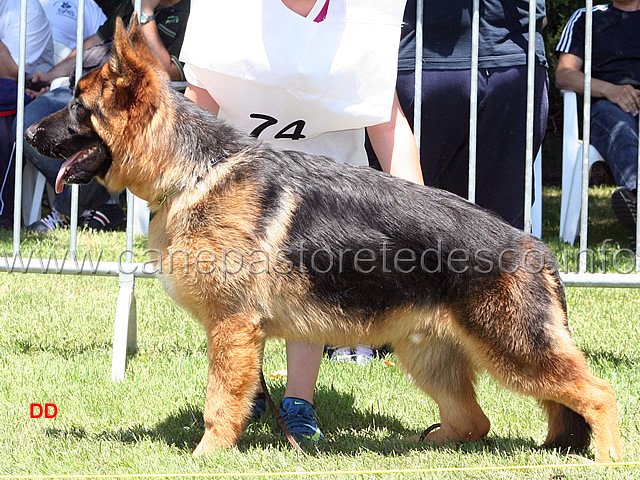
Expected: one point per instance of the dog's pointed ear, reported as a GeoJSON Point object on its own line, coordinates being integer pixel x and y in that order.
{"type": "Point", "coordinates": [118, 63]}
{"type": "Point", "coordinates": [139, 42]}
{"type": "Point", "coordinates": [134, 70]}
{"type": "Point", "coordinates": [131, 58]}
{"type": "Point", "coordinates": [133, 21]}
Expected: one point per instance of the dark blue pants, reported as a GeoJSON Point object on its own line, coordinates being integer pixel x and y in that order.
{"type": "Point", "coordinates": [8, 105]}
{"type": "Point", "coordinates": [614, 133]}
{"type": "Point", "coordinates": [444, 150]}
{"type": "Point", "coordinates": [7, 168]}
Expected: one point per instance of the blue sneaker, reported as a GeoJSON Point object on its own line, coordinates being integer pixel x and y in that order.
{"type": "Point", "coordinates": [300, 418]}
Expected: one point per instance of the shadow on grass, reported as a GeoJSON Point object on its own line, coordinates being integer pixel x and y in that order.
{"type": "Point", "coordinates": [614, 360]}
{"type": "Point", "coordinates": [182, 429]}
{"type": "Point", "coordinates": [66, 351]}
{"type": "Point", "coordinates": [342, 424]}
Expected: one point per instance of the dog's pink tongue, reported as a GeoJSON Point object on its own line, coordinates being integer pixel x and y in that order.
{"type": "Point", "coordinates": [61, 173]}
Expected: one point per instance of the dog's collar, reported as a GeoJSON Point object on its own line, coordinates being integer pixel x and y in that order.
{"type": "Point", "coordinates": [168, 194]}
{"type": "Point", "coordinates": [175, 189]}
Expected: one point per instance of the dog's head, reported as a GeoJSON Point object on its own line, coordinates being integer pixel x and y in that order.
{"type": "Point", "coordinates": [110, 106]}
{"type": "Point", "coordinates": [68, 134]}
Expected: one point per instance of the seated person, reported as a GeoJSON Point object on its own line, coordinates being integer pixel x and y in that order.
{"type": "Point", "coordinates": [63, 18]}
{"type": "Point", "coordinates": [615, 92]}
{"type": "Point", "coordinates": [39, 54]}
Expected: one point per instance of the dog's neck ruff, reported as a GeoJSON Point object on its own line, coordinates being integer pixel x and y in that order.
{"type": "Point", "coordinates": [167, 194]}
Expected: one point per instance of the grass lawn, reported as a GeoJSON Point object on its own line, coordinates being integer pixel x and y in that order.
{"type": "Point", "coordinates": [55, 347]}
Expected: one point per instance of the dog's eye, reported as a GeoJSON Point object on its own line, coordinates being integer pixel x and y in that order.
{"type": "Point", "coordinates": [76, 103]}
{"type": "Point", "coordinates": [79, 113]}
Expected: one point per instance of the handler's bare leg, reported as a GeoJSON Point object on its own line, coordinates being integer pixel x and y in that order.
{"type": "Point", "coordinates": [303, 365]}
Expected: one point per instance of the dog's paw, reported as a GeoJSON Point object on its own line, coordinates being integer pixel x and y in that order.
{"type": "Point", "coordinates": [209, 443]}
{"type": "Point", "coordinates": [440, 434]}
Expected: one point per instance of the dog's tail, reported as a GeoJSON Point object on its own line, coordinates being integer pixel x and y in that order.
{"type": "Point", "coordinates": [568, 430]}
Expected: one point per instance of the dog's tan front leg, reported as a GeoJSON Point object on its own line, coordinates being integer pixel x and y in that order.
{"type": "Point", "coordinates": [235, 346]}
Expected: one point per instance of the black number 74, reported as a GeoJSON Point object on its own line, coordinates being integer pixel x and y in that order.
{"type": "Point", "coordinates": [293, 131]}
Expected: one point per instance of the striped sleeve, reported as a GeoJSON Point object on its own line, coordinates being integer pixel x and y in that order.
{"type": "Point", "coordinates": [573, 34]}
{"type": "Point", "coordinates": [572, 39]}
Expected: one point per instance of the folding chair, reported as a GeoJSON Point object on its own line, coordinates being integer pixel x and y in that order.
{"type": "Point", "coordinates": [572, 151]}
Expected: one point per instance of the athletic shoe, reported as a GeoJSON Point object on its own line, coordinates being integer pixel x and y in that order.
{"type": "Point", "coordinates": [51, 222]}
{"type": "Point", "coordinates": [361, 354]}
{"type": "Point", "coordinates": [625, 207]}
{"type": "Point", "coordinates": [364, 354]}
{"type": "Point", "coordinates": [300, 418]}
{"type": "Point", "coordinates": [106, 217]}
{"type": "Point", "coordinates": [259, 406]}
{"type": "Point", "coordinates": [340, 354]}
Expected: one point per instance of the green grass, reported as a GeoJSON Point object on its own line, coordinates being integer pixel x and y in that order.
{"type": "Point", "coordinates": [608, 245]}
{"type": "Point", "coordinates": [55, 347]}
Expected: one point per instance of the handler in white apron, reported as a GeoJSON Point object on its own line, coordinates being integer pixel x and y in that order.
{"type": "Point", "coordinates": [307, 76]}
{"type": "Point", "coordinates": [293, 81]}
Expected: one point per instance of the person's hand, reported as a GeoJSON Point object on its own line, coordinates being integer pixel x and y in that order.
{"type": "Point", "coordinates": [35, 94]}
{"type": "Point", "coordinates": [41, 77]}
{"type": "Point", "coordinates": [625, 96]}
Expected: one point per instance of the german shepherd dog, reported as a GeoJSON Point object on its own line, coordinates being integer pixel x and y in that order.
{"type": "Point", "coordinates": [257, 242]}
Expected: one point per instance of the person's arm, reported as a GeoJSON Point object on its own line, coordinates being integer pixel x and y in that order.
{"type": "Point", "coordinates": [150, 30]}
{"type": "Point", "coordinates": [66, 66]}
{"type": "Point", "coordinates": [395, 146]}
{"type": "Point", "coordinates": [8, 67]}
{"type": "Point", "coordinates": [202, 97]}
{"type": "Point", "coordinates": [570, 76]}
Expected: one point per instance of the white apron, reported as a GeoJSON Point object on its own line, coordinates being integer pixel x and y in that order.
{"type": "Point", "coordinates": [291, 81]}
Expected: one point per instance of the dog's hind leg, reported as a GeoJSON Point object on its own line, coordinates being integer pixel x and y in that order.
{"type": "Point", "coordinates": [577, 405]}
{"type": "Point", "coordinates": [518, 331]}
{"type": "Point", "coordinates": [442, 370]}
{"type": "Point", "coordinates": [235, 345]}
{"type": "Point", "coordinates": [576, 402]}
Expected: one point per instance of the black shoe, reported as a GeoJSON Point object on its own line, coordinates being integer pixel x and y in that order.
{"type": "Point", "coordinates": [625, 207]}
{"type": "Point", "coordinates": [52, 221]}
{"type": "Point", "coordinates": [106, 218]}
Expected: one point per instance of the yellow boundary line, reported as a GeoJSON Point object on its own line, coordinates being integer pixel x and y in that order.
{"type": "Point", "coordinates": [315, 473]}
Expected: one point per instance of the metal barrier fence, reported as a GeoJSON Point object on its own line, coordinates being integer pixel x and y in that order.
{"type": "Point", "coordinates": [127, 271]}
{"type": "Point", "coordinates": [125, 325]}
{"type": "Point", "coordinates": [586, 150]}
